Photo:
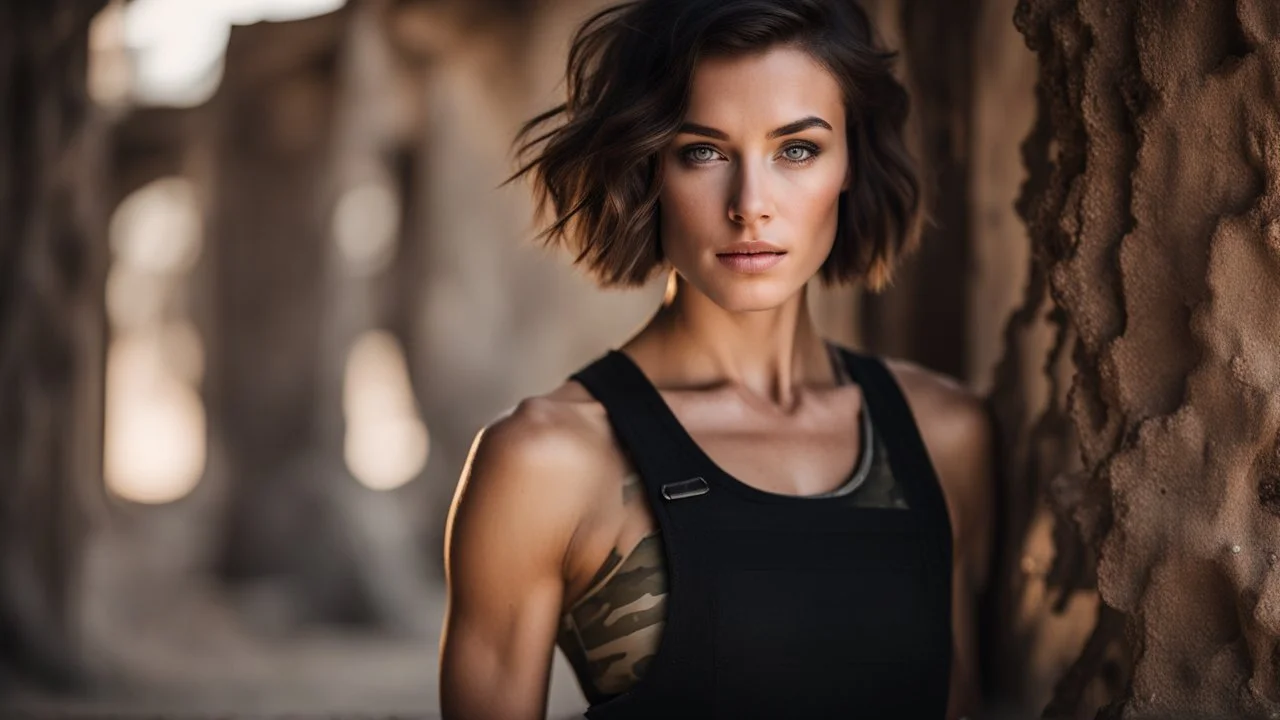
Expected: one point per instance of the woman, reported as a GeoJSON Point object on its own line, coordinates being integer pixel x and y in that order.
{"type": "Point", "coordinates": [681, 517]}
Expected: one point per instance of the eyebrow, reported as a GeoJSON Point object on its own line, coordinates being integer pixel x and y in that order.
{"type": "Point", "coordinates": [789, 129]}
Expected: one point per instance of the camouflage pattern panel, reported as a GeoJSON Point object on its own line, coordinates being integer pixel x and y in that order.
{"type": "Point", "coordinates": [881, 489]}
{"type": "Point", "coordinates": [612, 633]}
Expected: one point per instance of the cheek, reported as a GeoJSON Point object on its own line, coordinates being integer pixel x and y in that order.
{"type": "Point", "coordinates": [811, 206]}
{"type": "Point", "coordinates": [820, 189]}
{"type": "Point", "coordinates": [690, 206]}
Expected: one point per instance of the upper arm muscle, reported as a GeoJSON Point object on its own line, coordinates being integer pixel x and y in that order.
{"type": "Point", "coordinates": [505, 541]}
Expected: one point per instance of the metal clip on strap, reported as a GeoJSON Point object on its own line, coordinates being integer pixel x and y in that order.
{"type": "Point", "coordinates": [685, 489]}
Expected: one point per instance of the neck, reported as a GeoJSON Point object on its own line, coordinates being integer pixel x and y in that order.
{"type": "Point", "coordinates": [770, 353]}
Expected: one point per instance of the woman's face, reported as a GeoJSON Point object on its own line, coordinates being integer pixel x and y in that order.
{"type": "Point", "coordinates": [752, 182]}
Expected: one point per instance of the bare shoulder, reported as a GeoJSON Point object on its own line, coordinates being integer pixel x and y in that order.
{"type": "Point", "coordinates": [565, 429]}
{"type": "Point", "coordinates": [957, 430]}
{"type": "Point", "coordinates": [540, 463]}
{"type": "Point", "coordinates": [951, 417]}
{"type": "Point", "coordinates": [942, 405]}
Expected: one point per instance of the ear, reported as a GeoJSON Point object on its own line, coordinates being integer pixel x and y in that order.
{"type": "Point", "coordinates": [848, 179]}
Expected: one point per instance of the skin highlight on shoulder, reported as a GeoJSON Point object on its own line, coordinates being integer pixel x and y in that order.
{"type": "Point", "coordinates": [558, 442]}
{"type": "Point", "coordinates": [562, 444]}
{"type": "Point", "coordinates": [565, 428]}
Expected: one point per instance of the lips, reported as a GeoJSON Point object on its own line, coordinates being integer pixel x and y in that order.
{"type": "Point", "coordinates": [751, 257]}
{"type": "Point", "coordinates": [749, 247]}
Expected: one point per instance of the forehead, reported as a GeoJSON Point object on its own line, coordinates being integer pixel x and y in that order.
{"type": "Point", "coordinates": [769, 88]}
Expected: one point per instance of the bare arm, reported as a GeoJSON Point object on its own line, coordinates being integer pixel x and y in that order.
{"type": "Point", "coordinates": [971, 495]}
{"type": "Point", "coordinates": [511, 521]}
{"type": "Point", "coordinates": [958, 434]}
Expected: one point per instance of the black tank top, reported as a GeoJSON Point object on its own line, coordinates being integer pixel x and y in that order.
{"type": "Point", "coordinates": [784, 606]}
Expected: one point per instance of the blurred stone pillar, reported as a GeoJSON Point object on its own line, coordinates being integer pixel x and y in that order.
{"type": "Point", "coordinates": [299, 123]}
{"type": "Point", "coordinates": [52, 320]}
{"type": "Point", "coordinates": [1157, 226]}
{"type": "Point", "coordinates": [147, 144]}
{"type": "Point", "coordinates": [458, 273]}
{"type": "Point", "coordinates": [267, 223]}
{"type": "Point", "coordinates": [377, 112]}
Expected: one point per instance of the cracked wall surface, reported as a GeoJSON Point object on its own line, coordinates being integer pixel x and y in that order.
{"type": "Point", "coordinates": [1158, 228]}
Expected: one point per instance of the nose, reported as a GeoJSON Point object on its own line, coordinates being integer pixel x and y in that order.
{"type": "Point", "coordinates": [751, 202]}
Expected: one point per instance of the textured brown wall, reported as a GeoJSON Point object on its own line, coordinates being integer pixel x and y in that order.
{"type": "Point", "coordinates": [1042, 614]}
{"type": "Point", "coordinates": [1157, 225]}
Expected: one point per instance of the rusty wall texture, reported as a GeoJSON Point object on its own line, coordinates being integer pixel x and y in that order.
{"type": "Point", "coordinates": [1155, 215]}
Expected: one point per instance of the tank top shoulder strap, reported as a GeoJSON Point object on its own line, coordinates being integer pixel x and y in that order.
{"type": "Point", "coordinates": [638, 415]}
{"type": "Point", "coordinates": [908, 456]}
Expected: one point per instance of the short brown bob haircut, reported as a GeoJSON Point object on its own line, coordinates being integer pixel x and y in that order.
{"type": "Point", "coordinates": [628, 79]}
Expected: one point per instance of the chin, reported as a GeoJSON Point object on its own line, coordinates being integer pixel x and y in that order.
{"type": "Point", "coordinates": [751, 295]}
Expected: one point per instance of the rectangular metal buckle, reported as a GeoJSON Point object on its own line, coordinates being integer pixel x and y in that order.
{"type": "Point", "coordinates": [685, 489]}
